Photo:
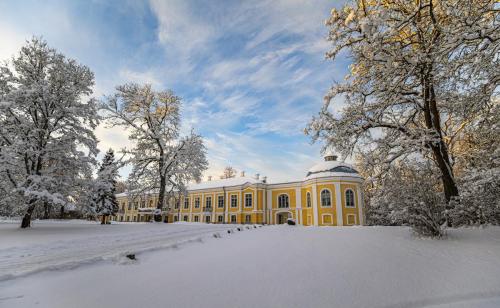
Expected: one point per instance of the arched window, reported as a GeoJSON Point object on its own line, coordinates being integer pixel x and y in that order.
{"type": "Point", "coordinates": [349, 198]}
{"type": "Point", "coordinates": [326, 198]}
{"type": "Point", "coordinates": [283, 201]}
{"type": "Point", "coordinates": [308, 199]}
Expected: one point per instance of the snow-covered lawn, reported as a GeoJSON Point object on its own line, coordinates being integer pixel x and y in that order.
{"type": "Point", "coordinates": [272, 266]}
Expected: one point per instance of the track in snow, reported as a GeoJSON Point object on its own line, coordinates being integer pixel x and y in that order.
{"type": "Point", "coordinates": [108, 243]}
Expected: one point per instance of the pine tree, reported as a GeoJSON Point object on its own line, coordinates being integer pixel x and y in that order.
{"type": "Point", "coordinates": [104, 200]}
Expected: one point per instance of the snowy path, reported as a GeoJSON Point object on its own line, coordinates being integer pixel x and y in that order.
{"type": "Point", "coordinates": [97, 243]}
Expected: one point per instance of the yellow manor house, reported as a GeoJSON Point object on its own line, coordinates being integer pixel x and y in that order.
{"type": "Point", "coordinates": [329, 195]}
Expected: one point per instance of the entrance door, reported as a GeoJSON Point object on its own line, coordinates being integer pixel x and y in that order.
{"type": "Point", "coordinates": [282, 218]}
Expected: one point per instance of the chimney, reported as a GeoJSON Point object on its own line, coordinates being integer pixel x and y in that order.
{"type": "Point", "coordinates": [209, 177]}
{"type": "Point", "coordinates": [242, 174]}
{"type": "Point", "coordinates": [257, 176]}
{"type": "Point", "coordinates": [264, 179]}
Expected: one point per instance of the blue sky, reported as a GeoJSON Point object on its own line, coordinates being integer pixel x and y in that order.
{"type": "Point", "coordinates": [251, 74]}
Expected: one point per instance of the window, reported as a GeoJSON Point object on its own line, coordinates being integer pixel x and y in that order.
{"type": "Point", "coordinates": [177, 203]}
{"type": "Point", "coordinates": [308, 199]}
{"type": "Point", "coordinates": [196, 218]}
{"type": "Point", "coordinates": [234, 201]}
{"type": "Point", "coordinates": [129, 206]}
{"type": "Point", "coordinates": [136, 205]}
{"type": "Point", "coordinates": [150, 203]}
{"type": "Point", "coordinates": [185, 218]}
{"type": "Point", "coordinates": [207, 219]}
{"type": "Point", "coordinates": [127, 219]}
{"type": "Point", "coordinates": [197, 202]}
{"type": "Point", "coordinates": [248, 219]}
{"type": "Point", "coordinates": [143, 204]}
{"type": "Point", "coordinates": [220, 218]}
{"type": "Point", "coordinates": [186, 203]}
{"type": "Point", "coordinates": [351, 219]}
{"type": "Point", "coordinates": [326, 199]}
{"type": "Point", "coordinates": [233, 219]}
{"type": "Point", "coordinates": [176, 218]}
{"type": "Point", "coordinates": [208, 202]}
{"type": "Point", "coordinates": [220, 202]}
{"type": "Point", "coordinates": [248, 200]}
{"type": "Point", "coordinates": [283, 201]}
{"type": "Point", "coordinates": [121, 218]}
{"type": "Point", "coordinates": [349, 198]}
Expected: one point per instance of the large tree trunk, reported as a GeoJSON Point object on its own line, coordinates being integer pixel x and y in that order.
{"type": "Point", "coordinates": [45, 210]}
{"type": "Point", "coordinates": [439, 148]}
{"type": "Point", "coordinates": [26, 222]}
{"type": "Point", "coordinates": [161, 197]}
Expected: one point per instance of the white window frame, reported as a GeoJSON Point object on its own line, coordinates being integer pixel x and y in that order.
{"type": "Point", "coordinates": [186, 203]}
{"type": "Point", "coordinates": [196, 202]}
{"type": "Point", "coordinates": [219, 204]}
{"type": "Point", "coordinates": [234, 197]}
{"type": "Point", "coordinates": [287, 199]}
{"type": "Point", "coordinates": [220, 218]}
{"type": "Point", "coordinates": [321, 198]}
{"type": "Point", "coordinates": [235, 219]}
{"type": "Point", "coordinates": [196, 218]}
{"type": "Point", "coordinates": [353, 199]}
{"type": "Point", "coordinates": [208, 198]}
{"type": "Point", "coordinates": [308, 200]}
{"type": "Point", "coordinates": [251, 199]}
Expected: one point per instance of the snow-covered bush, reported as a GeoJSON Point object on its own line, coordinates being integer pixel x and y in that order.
{"type": "Point", "coordinates": [409, 195]}
{"type": "Point", "coordinates": [479, 202]}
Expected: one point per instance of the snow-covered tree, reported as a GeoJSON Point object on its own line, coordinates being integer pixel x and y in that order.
{"type": "Point", "coordinates": [104, 200]}
{"type": "Point", "coordinates": [162, 159]}
{"type": "Point", "coordinates": [47, 146]}
{"type": "Point", "coordinates": [421, 72]}
{"type": "Point", "coordinates": [478, 161]}
{"type": "Point", "coordinates": [229, 172]}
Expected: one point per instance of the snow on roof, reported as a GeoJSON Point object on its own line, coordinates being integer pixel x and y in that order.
{"type": "Point", "coordinates": [236, 181]}
{"type": "Point", "coordinates": [331, 168]}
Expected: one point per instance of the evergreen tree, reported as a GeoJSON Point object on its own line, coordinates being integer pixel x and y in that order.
{"type": "Point", "coordinates": [104, 200]}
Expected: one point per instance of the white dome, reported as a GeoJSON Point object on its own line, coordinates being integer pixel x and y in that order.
{"type": "Point", "coordinates": [331, 167]}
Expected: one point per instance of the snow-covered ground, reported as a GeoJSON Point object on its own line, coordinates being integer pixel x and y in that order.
{"type": "Point", "coordinates": [272, 266]}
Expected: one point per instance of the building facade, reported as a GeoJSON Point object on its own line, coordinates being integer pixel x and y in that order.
{"type": "Point", "coordinates": [329, 195]}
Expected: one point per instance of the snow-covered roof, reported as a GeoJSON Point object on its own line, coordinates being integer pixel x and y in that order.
{"type": "Point", "coordinates": [236, 181]}
{"type": "Point", "coordinates": [331, 168]}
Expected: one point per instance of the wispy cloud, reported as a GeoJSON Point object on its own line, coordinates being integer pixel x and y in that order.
{"type": "Point", "coordinates": [251, 74]}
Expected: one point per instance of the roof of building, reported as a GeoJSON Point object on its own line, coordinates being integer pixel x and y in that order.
{"type": "Point", "coordinates": [236, 181]}
{"type": "Point", "coordinates": [331, 168]}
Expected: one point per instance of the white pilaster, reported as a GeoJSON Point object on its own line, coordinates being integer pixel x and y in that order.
{"type": "Point", "coordinates": [226, 207]}
{"type": "Point", "coordinates": [360, 205]}
{"type": "Point", "coordinates": [338, 204]}
{"type": "Point", "coordinates": [269, 206]}
{"type": "Point", "coordinates": [315, 204]}
{"type": "Point", "coordinates": [298, 206]}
